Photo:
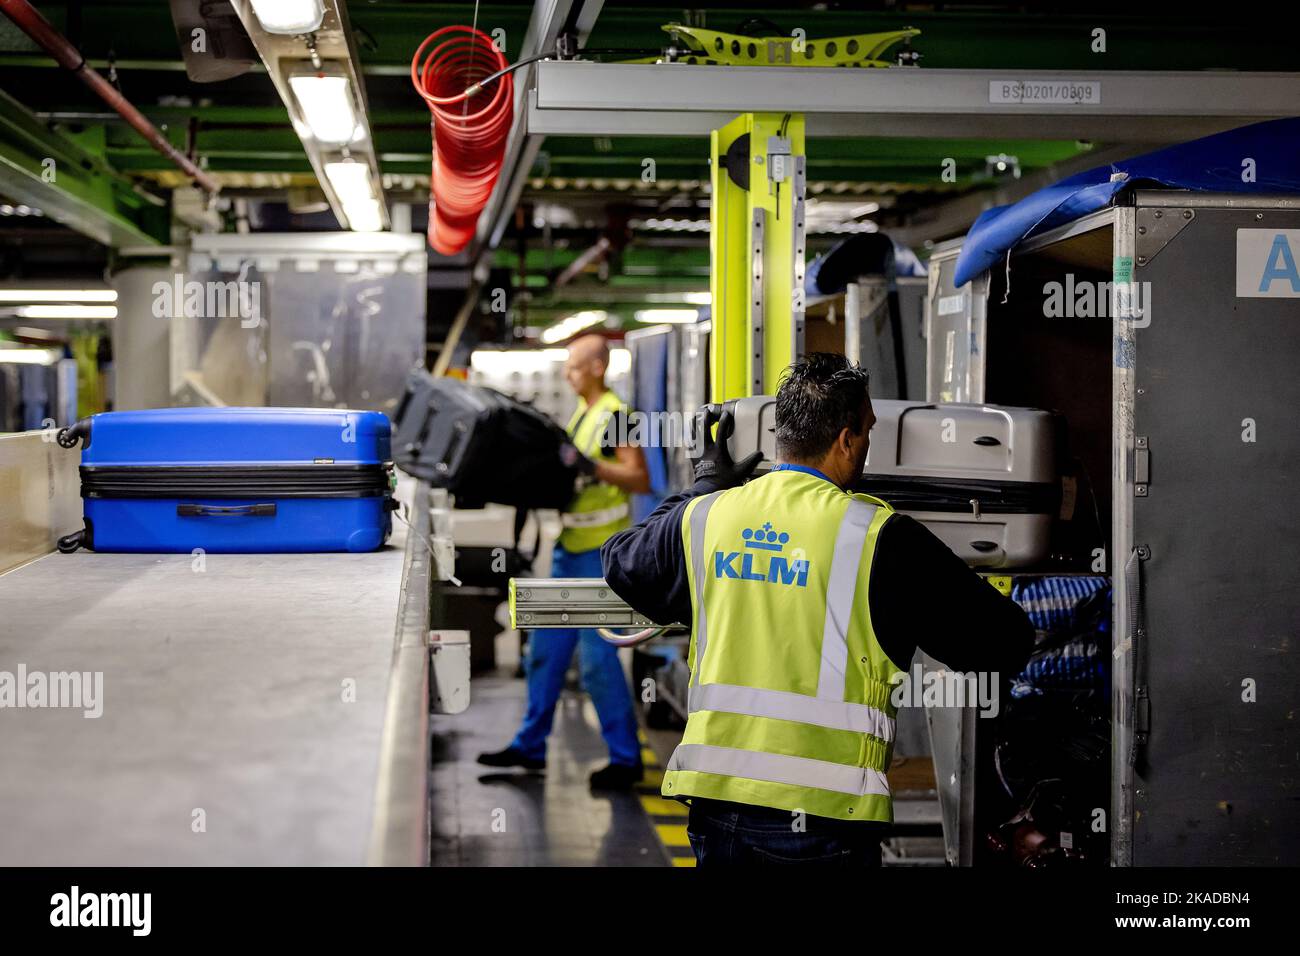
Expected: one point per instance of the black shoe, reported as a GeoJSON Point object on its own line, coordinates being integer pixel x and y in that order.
{"type": "Point", "coordinates": [616, 776]}
{"type": "Point", "coordinates": [510, 757]}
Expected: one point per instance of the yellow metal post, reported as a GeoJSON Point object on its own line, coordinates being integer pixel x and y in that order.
{"type": "Point", "coordinates": [757, 252]}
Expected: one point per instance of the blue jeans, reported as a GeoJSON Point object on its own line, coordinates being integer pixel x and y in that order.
{"type": "Point", "coordinates": [735, 834]}
{"type": "Point", "coordinates": [549, 654]}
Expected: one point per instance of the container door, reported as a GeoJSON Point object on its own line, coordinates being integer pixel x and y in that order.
{"type": "Point", "coordinates": [1213, 476]}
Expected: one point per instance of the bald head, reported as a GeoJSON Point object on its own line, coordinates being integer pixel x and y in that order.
{"type": "Point", "coordinates": [586, 364]}
{"type": "Point", "coordinates": [590, 348]}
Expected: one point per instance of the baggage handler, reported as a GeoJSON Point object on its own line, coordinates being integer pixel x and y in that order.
{"type": "Point", "coordinates": [611, 473]}
{"type": "Point", "coordinates": [804, 600]}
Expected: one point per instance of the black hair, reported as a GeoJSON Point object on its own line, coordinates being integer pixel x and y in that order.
{"type": "Point", "coordinates": [816, 399]}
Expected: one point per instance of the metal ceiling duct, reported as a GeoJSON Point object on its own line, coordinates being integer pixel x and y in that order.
{"type": "Point", "coordinates": [29, 20]}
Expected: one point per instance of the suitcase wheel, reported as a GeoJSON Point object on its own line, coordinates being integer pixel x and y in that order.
{"type": "Point", "coordinates": [71, 542]}
{"type": "Point", "coordinates": [68, 437]}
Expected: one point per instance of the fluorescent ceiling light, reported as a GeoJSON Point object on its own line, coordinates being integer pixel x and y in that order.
{"type": "Point", "coordinates": [493, 362]}
{"type": "Point", "coordinates": [351, 181]}
{"type": "Point", "coordinates": [841, 208]}
{"type": "Point", "coordinates": [672, 225]}
{"type": "Point", "coordinates": [58, 295]}
{"type": "Point", "coordinates": [289, 16]}
{"type": "Point", "coordinates": [363, 215]}
{"type": "Point", "coordinates": [620, 362]}
{"type": "Point", "coordinates": [66, 311]}
{"type": "Point", "coordinates": [328, 106]}
{"type": "Point", "coordinates": [654, 316]}
{"type": "Point", "coordinates": [28, 356]}
{"type": "Point", "coordinates": [354, 187]}
{"type": "Point", "coordinates": [571, 325]}
{"type": "Point", "coordinates": [677, 298]}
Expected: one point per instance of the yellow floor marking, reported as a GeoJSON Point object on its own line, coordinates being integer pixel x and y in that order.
{"type": "Point", "coordinates": [659, 807]}
{"type": "Point", "coordinates": [655, 806]}
{"type": "Point", "coordinates": [672, 834]}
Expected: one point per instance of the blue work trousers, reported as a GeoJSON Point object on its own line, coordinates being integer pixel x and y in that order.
{"type": "Point", "coordinates": [547, 661]}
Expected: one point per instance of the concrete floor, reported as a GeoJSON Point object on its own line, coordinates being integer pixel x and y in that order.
{"type": "Point", "coordinates": [486, 817]}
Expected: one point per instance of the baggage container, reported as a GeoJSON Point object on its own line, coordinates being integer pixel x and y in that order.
{"type": "Point", "coordinates": [1163, 383]}
{"type": "Point", "coordinates": [982, 478]}
{"type": "Point", "coordinates": [233, 480]}
{"type": "Point", "coordinates": [482, 446]}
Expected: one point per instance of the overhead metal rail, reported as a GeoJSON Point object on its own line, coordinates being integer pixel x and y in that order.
{"type": "Point", "coordinates": [548, 20]}
{"type": "Point", "coordinates": [609, 99]}
{"type": "Point", "coordinates": [28, 19]}
{"type": "Point", "coordinates": [330, 49]}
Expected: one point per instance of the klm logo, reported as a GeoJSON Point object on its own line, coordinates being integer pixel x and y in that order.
{"type": "Point", "coordinates": [745, 565]}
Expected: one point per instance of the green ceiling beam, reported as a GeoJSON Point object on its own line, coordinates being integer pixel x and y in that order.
{"type": "Point", "coordinates": [141, 35]}
{"type": "Point", "coordinates": [226, 147]}
{"type": "Point", "coordinates": [657, 261]}
{"type": "Point", "coordinates": [828, 149]}
{"type": "Point", "coordinates": [916, 161]}
{"type": "Point", "coordinates": [1202, 38]}
{"type": "Point", "coordinates": [68, 179]}
{"type": "Point", "coordinates": [140, 32]}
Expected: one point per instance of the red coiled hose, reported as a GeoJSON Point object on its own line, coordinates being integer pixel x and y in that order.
{"type": "Point", "coordinates": [470, 126]}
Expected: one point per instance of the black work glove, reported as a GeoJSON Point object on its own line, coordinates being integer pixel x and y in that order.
{"type": "Point", "coordinates": [715, 465]}
{"type": "Point", "coordinates": [572, 458]}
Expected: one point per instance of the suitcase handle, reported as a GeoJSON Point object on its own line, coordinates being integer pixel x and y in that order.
{"type": "Point", "coordinates": [454, 448]}
{"type": "Point", "coordinates": [404, 404]}
{"type": "Point", "coordinates": [413, 447]}
{"type": "Point", "coordinates": [231, 511]}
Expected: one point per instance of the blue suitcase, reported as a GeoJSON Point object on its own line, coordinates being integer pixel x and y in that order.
{"type": "Point", "coordinates": [233, 480]}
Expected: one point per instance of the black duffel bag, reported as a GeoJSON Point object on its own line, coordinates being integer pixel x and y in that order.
{"type": "Point", "coordinates": [482, 446]}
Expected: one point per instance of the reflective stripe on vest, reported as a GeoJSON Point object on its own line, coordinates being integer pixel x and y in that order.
{"type": "Point", "coordinates": [789, 703]}
{"type": "Point", "coordinates": [783, 705]}
{"type": "Point", "coordinates": [845, 564]}
{"type": "Point", "coordinates": [779, 768]}
{"type": "Point", "coordinates": [699, 561]}
{"type": "Point", "coordinates": [828, 708]}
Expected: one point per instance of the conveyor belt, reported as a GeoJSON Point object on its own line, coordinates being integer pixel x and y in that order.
{"type": "Point", "coordinates": [223, 701]}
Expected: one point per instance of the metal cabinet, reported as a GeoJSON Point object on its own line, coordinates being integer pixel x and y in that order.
{"type": "Point", "coordinates": [1207, 450]}
{"type": "Point", "coordinates": [1200, 347]}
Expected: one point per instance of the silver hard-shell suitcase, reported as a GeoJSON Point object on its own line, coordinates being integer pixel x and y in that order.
{"type": "Point", "coordinates": [982, 478]}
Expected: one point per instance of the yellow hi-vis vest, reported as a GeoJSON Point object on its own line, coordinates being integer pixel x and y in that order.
{"type": "Point", "coordinates": [789, 700]}
{"type": "Point", "coordinates": [599, 509]}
